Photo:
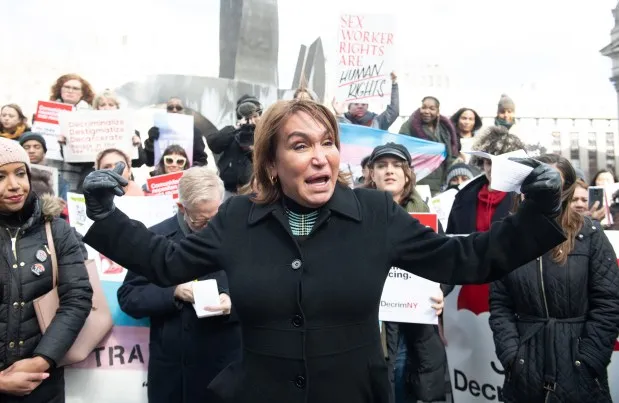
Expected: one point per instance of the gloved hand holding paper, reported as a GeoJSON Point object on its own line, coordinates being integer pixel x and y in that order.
{"type": "Point", "coordinates": [507, 176]}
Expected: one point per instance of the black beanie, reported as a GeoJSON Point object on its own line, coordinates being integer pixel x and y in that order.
{"type": "Point", "coordinates": [27, 136]}
{"type": "Point", "coordinates": [247, 99]}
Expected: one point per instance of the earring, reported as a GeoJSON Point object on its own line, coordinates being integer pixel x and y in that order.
{"type": "Point", "coordinates": [273, 180]}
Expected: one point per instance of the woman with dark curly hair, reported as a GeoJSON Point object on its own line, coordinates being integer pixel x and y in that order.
{"type": "Point", "coordinates": [467, 122]}
{"type": "Point", "coordinates": [72, 89]}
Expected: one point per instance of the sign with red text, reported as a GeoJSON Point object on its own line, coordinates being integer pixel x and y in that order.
{"type": "Point", "coordinates": [45, 123]}
{"type": "Point", "coordinates": [164, 184]}
{"type": "Point", "coordinates": [406, 297]}
{"type": "Point", "coordinates": [89, 132]}
{"type": "Point", "coordinates": [365, 55]}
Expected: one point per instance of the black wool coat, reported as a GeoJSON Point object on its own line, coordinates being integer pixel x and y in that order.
{"type": "Point", "coordinates": [309, 310]}
{"type": "Point", "coordinates": [185, 352]}
{"type": "Point", "coordinates": [555, 326]}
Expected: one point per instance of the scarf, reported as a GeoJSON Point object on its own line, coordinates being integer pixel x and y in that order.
{"type": "Point", "coordinates": [14, 135]}
{"type": "Point", "coordinates": [80, 105]}
{"type": "Point", "coordinates": [416, 130]}
{"type": "Point", "coordinates": [503, 122]}
{"type": "Point", "coordinates": [365, 120]}
{"type": "Point", "coordinates": [487, 203]}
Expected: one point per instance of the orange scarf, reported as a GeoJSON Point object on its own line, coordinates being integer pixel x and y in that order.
{"type": "Point", "coordinates": [19, 130]}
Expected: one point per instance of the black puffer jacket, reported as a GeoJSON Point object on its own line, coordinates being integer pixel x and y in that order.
{"type": "Point", "coordinates": [555, 326]}
{"type": "Point", "coordinates": [20, 336]}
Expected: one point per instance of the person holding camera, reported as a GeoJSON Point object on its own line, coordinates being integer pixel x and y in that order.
{"type": "Point", "coordinates": [200, 158]}
{"type": "Point", "coordinates": [236, 144]}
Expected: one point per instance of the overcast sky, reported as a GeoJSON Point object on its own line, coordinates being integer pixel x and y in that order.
{"type": "Point", "coordinates": [544, 53]}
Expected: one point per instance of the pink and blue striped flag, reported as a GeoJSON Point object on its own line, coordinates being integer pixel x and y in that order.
{"type": "Point", "coordinates": [359, 141]}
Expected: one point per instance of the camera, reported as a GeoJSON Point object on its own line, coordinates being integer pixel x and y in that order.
{"type": "Point", "coordinates": [244, 135]}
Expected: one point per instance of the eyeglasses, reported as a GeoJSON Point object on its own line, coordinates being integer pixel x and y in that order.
{"type": "Point", "coordinates": [175, 161]}
{"type": "Point", "coordinates": [174, 108]}
{"type": "Point", "coordinates": [202, 222]}
{"type": "Point", "coordinates": [70, 88]}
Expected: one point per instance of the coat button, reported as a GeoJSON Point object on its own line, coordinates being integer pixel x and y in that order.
{"type": "Point", "coordinates": [296, 264]}
{"type": "Point", "coordinates": [577, 363]}
{"type": "Point", "coordinates": [12, 344]}
{"type": "Point", "coordinates": [299, 382]}
{"type": "Point", "coordinates": [15, 305]}
{"type": "Point", "coordinates": [21, 343]}
{"type": "Point", "coordinates": [15, 266]}
{"type": "Point", "coordinates": [580, 236]}
{"type": "Point", "coordinates": [521, 361]}
{"type": "Point", "coordinates": [23, 303]}
{"type": "Point", "coordinates": [297, 320]}
{"type": "Point", "coordinates": [22, 264]}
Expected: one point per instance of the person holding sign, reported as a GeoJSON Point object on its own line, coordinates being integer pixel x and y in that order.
{"type": "Point", "coordinates": [358, 113]}
{"type": "Point", "coordinates": [554, 320]}
{"type": "Point", "coordinates": [185, 352]}
{"type": "Point", "coordinates": [390, 170]}
{"type": "Point", "coordinates": [307, 257]}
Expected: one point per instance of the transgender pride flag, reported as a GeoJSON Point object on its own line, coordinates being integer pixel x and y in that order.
{"type": "Point", "coordinates": [359, 141]}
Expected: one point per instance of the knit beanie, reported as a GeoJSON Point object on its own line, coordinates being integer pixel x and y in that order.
{"type": "Point", "coordinates": [11, 151]}
{"type": "Point", "coordinates": [461, 169]}
{"type": "Point", "coordinates": [33, 136]}
{"type": "Point", "coordinates": [506, 103]}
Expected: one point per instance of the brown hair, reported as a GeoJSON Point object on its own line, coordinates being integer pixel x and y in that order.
{"type": "Point", "coordinates": [20, 112]}
{"type": "Point", "coordinates": [581, 184]}
{"type": "Point", "coordinates": [408, 191]}
{"type": "Point", "coordinates": [88, 94]}
{"type": "Point", "coordinates": [268, 190]}
{"type": "Point", "coordinates": [570, 221]}
{"type": "Point", "coordinates": [108, 151]}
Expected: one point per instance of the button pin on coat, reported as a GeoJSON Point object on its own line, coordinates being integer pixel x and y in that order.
{"type": "Point", "coordinates": [41, 255]}
{"type": "Point", "coordinates": [37, 269]}
{"type": "Point", "coordinates": [296, 264]}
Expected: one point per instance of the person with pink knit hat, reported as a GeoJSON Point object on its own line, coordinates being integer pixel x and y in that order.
{"type": "Point", "coordinates": [29, 358]}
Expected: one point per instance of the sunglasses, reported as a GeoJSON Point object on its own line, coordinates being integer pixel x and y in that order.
{"type": "Point", "coordinates": [174, 108]}
{"type": "Point", "coordinates": [172, 161]}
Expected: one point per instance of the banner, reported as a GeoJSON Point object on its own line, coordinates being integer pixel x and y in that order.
{"type": "Point", "coordinates": [174, 128]}
{"type": "Point", "coordinates": [89, 132]}
{"type": "Point", "coordinates": [46, 123]}
{"type": "Point", "coordinates": [359, 141]}
{"type": "Point", "coordinates": [406, 297]}
{"type": "Point", "coordinates": [365, 57]}
{"type": "Point", "coordinates": [476, 373]}
{"type": "Point", "coordinates": [116, 371]}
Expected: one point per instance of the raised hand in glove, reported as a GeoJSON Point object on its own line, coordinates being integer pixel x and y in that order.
{"type": "Point", "coordinates": [153, 133]}
{"type": "Point", "coordinates": [543, 186]}
{"type": "Point", "coordinates": [100, 187]}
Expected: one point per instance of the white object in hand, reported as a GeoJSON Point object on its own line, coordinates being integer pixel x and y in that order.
{"type": "Point", "coordinates": [205, 293]}
{"type": "Point", "coordinates": [507, 176]}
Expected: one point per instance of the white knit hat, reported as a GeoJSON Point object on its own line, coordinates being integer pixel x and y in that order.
{"type": "Point", "coordinates": [11, 151]}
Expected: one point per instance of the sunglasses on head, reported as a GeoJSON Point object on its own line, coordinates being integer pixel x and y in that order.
{"type": "Point", "coordinates": [178, 161]}
{"type": "Point", "coordinates": [172, 108]}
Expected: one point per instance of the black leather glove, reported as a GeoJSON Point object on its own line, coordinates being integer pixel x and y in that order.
{"type": "Point", "coordinates": [153, 133]}
{"type": "Point", "coordinates": [543, 186]}
{"type": "Point", "coordinates": [100, 187]}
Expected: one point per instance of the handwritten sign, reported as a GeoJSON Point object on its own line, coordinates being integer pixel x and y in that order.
{"type": "Point", "coordinates": [90, 132]}
{"type": "Point", "coordinates": [406, 297]}
{"type": "Point", "coordinates": [365, 53]}
{"type": "Point", "coordinates": [164, 184]}
{"type": "Point", "coordinates": [46, 124]}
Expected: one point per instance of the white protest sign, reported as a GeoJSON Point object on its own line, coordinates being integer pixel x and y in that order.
{"type": "Point", "coordinates": [174, 128]}
{"type": "Point", "coordinates": [89, 132]}
{"type": "Point", "coordinates": [407, 298]}
{"type": "Point", "coordinates": [365, 57]}
{"type": "Point", "coordinates": [507, 175]}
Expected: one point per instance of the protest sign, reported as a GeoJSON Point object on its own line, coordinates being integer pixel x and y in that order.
{"type": "Point", "coordinates": [174, 128]}
{"type": "Point", "coordinates": [164, 184]}
{"type": "Point", "coordinates": [365, 57]}
{"type": "Point", "coordinates": [90, 132]}
{"type": "Point", "coordinates": [45, 123]}
{"type": "Point", "coordinates": [406, 297]}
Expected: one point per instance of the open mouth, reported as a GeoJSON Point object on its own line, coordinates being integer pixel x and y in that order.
{"type": "Point", "coordinates": [318, 180]}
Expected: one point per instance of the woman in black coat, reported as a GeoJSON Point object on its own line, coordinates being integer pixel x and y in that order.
{"type": "Point", "coordinates": [28, 358]}
{"type": "Point", "coordinates": [555, 319]}
{"type": "Point", "coordinates": [307, 257]}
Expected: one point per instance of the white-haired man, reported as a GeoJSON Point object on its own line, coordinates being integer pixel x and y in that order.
{"type": "Point", "coordinates": [186, 352]}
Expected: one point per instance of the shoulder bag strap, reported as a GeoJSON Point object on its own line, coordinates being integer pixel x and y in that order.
{"type": "Point", "coordinates": [52, 252]}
